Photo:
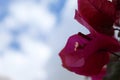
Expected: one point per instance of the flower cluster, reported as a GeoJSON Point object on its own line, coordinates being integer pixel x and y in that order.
{"type": "Point", "coordinates": [87, 54]}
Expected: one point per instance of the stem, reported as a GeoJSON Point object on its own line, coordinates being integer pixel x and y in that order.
{"type": "Point", "coordinates": [115, 54]}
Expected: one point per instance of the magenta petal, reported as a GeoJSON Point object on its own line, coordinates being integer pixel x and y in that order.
{"type": "Point", "coordinates": [104, 6]}
{"type": "Point", "coordinates": [117, 4]}
{"type": "Point", "coordinates": [69, 54]}
{"type": "Point", "coordinates": [87, 54]}
{"type": "Point", "coordinates": [100, 14]}
{"type": "Point", "coordinates": [79, 18]}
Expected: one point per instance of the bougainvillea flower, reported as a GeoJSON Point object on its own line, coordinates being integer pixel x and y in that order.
{"type": "Point", "coordinates": [100, 75]}
{"type": "Point", "coordinates": [87, 54]}
{"type": "Point", "coordinates": [100, 14]}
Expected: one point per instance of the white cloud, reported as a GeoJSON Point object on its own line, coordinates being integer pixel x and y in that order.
{"type": "Point", "coordinates": [33, 14]}
{"type": "Point", "coordinates": [28, 64]}
{"type": "Point", "coordinates": [36, 50]}
{"type": "Point", "coordinates": [5, 39]}
{"type": "Point", "coordinates": [32, 61]}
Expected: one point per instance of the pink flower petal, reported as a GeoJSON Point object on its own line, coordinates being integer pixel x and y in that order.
{"type": "Point", "coordinates": [117, 4]}
{"type": "Point", "coordinates": [100, 14]}
{"type": "Point", "coordinates": [79, 18]}
{"type": "Point", "coordinates": [87, 54]}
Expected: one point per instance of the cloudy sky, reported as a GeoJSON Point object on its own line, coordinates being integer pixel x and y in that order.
{"type": "Point", "coordinates": [32, 33]}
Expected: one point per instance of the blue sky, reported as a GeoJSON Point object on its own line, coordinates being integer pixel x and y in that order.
{"type": "Point", "coordinates": [32, 33]}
